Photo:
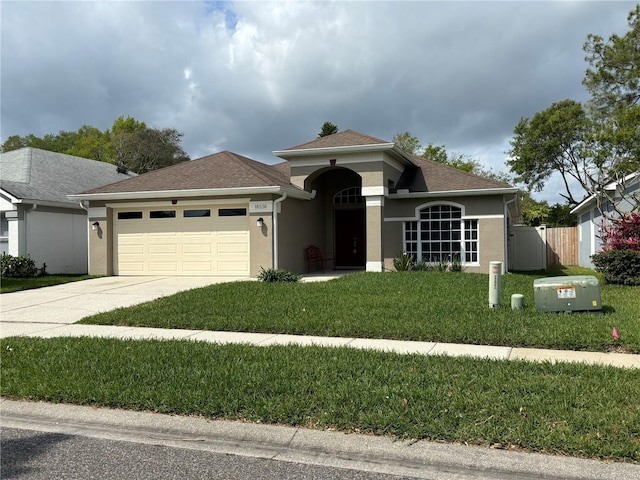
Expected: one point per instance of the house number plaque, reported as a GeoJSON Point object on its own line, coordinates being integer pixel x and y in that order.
{"type": "Point", "coordinates": [261, 207]}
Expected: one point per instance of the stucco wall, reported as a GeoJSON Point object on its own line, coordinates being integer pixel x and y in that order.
{"type": "Point", "coordinates": [260, 243]}
{"type": "Point", "coordinates": [100, 246]}
{"type": "Point", "coordinates": [488, 210]}
{"type": "Point", "coordinates": [491, 244]}
{"type": "Point", "coordinates": [301, 223]}
{"type": "Point", "coordinates": [474, 206]}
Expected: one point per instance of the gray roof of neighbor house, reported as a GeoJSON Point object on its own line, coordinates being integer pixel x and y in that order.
{"type": "Point", "coordinates": [38, 176]}
{"type": "Point", "coordinates": [224, 170]}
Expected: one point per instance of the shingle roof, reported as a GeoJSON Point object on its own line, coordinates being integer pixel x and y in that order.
{"type": "Point", "coordinates": [346, 138]}
{"type": "Point", "coordinates": [432, 176]}
{"type": "Point", "coordinates": [43, 176]}
{"type": "Point", "coordinates": [221, 170]}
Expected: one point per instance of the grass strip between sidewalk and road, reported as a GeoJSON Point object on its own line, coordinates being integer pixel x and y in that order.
{"type": "Point", "coordinates": [569, 409]}
{"type": "Point", "coordinates": [8, 285]}
{"type": "Point", "coordinates": [421, 306]}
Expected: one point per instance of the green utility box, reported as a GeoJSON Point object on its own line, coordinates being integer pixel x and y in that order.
{"type": "Point", "coordinates": [579, 293]}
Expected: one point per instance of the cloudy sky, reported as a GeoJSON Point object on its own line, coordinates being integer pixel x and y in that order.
{"type": "Point", "coordinates": [253, 77]}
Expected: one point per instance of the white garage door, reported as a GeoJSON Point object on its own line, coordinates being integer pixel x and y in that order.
{"type": "Point", "coordinates": [188, 240]}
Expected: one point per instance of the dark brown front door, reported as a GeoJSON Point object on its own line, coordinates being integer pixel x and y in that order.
{"type": "Point", "coordinates": [350, 238]}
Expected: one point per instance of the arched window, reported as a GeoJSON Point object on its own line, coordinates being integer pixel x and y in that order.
{"type": "Point", "coordinates": [442, 234]}
{"type": "Point", "coordinates": [348, 196]}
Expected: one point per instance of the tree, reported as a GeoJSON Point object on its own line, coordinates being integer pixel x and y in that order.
{"type": "Point", "coordinates": [149, 149]}
{"type": "Point", "coordinates": [554, 140]}
{"type": "Point", "coordinates": [596, 144]}
{"type": "Point", "coordinates": [462, 162]}
{"type": "Point", "coordinates": [436, 153]}
{"type": "Point", "coordinates": [129, 143]}
{"type": "Point", "coordinates": [328, 128]}
{"type": "Point", "coordinates": [535, 213]}
{"type": "Point", "coordinates": [14, 142]}
{"type": "Point", "coordinates": [91, 143]}
{"type": "Point", "coordinates": [408, 143]}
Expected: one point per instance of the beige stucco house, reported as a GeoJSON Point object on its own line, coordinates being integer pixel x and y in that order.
{"type": "Point", "coordinates": [359, 197]}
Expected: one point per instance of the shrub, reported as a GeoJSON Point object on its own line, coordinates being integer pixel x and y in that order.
{"type": "Point", "coordinates": [619, 266]}
{"type": "Point", "coordinates": [404, 263]}
{"type": "Point", "coordinates": [456, 264]}
{"type": "Point", "coordinates": [277, 275]}
{"type": "Point", "coordinates": [407, 262]}
{"type": "Point", "coordinates": [622, 234]}
{"type": "Point", "coordinates": [18, 267]}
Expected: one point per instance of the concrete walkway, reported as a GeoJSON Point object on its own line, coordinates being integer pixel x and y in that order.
{"type": "Point", "coordinates": [52, 311]}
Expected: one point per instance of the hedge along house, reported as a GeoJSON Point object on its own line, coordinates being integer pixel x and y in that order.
{"type": "Point", "coordinates": [362, 198]}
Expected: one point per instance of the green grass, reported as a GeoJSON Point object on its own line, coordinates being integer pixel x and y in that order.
{"type": "Point", "coordinates": [572, 409]}
{"type": "Point", "coordinates": [422, 306]}
{"type": "Point", "coordinates": [8, 285]}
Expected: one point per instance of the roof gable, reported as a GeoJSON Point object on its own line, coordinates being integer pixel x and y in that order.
{"type": "Point", "coordinates": [346, 138]}
{"type": "Point", "coordinates": [222, 170]}
{"type": "Point", "coordinates": [48, 177]}
{"type": "Point", "coordinates": [432, 176]}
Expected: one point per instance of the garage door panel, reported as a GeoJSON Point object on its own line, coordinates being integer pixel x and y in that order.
{"type": "Point", "coordinates": [224, 248]}
{"type": "Point", "coordinates": [130, 267]}
{"type": "Point", "coordinates": [196, 248]}
{"type": "Point", "coordinates": [229, 267]}
{"type": "Point", "coordinates": [160, 234]}
{"type": "Point", "coordinates": [163, 267]}
{"type": "Point", "coordinates": [182, 245]}
{"type": "Point", "coordinates": [162, 248]}
{"type": "Point", "coordinates": [131, 249]}
{"type": "Point", "coordinates": [202, 267]}
{"type": "Point", "coordinates": [205, 233]}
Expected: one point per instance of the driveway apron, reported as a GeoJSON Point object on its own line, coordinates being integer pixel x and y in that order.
{"type": "Point", "coordinates": [41, 309]}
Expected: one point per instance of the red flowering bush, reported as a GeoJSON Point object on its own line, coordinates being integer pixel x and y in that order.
{"type": "Point", "coordinates": [619, 260]}
{"type": "Point", "coordinates": [622, 234]}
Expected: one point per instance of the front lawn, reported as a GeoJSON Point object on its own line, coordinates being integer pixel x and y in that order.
{"type": "Point", "coordinates": [16, 284]}
{"type": "Point", "coordinates": [424, 306]}
{"type": "Point", "coordinates": [572, 409]}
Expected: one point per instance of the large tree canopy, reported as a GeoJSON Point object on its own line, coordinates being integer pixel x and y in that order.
{"type": "Point", "coordinates": [129, 143]}
{"type": "Point", "coordinates": [590, 145]}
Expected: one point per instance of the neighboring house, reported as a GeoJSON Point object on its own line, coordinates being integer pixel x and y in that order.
{"type": "Point", "coordinates": [359, 197]}
{"type": "Point", "coordinates": [591, 219]}
{"type": "Point", "coordinates": [37, 218]}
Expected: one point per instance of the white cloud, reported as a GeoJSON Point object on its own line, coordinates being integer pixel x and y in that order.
{"type": "Point", "coordinates": [253, 77]}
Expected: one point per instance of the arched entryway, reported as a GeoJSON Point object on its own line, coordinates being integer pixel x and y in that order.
{"type": "Point", "coordinates": [340, 191]}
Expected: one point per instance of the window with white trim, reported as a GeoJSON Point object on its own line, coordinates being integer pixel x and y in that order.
{"type": "Point", "coordinates": [348, 196]}
{"type": "Point", "coordinates": [442, 234]}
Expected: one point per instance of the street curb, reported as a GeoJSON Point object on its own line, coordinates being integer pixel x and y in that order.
{"type": "Point", "coordinates": [370, 453]}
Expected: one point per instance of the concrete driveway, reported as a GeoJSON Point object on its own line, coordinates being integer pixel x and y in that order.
{"type": "Point", "coordinates": [31, 310]}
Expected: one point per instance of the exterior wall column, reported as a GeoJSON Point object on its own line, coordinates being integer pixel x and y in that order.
{"type": "Point", "coordinates": [374, 201]}
{"type": "Point", "coordinates": [98, 242]}
{"type": "Point", "coordinates": [15, 223]}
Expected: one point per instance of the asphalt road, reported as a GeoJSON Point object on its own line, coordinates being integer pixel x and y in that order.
{"type": "Point", "coordinates": [36, 455]}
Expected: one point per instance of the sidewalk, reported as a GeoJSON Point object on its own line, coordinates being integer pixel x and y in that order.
{"type": "Point", "coordinates": [49, 330]}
